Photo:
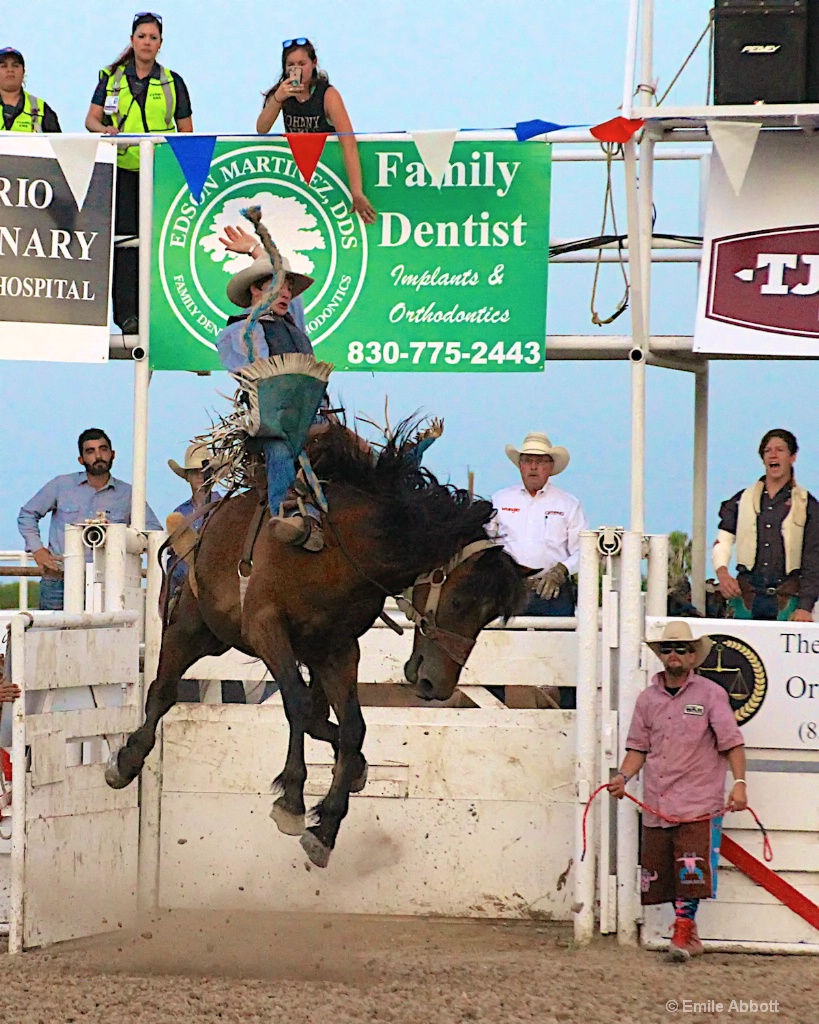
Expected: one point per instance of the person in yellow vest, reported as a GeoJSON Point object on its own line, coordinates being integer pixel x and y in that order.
{"type": "Point", "coordinates": [775, 525]}
{"type": "Point", "coordinates": [22, 111]}
{"type": "Point", "coordinates": [135, 94]}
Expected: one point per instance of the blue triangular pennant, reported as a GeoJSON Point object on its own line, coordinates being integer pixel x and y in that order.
{"type": "Point", "coordinates": [193, 154]}
{"type": "Point", "coordinates": [529, 129]}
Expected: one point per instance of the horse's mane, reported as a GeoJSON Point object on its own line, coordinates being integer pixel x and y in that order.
{"type": "Point", "coordinates": [497, 580]}
{"type": "Point", "coordinates": [419, 519]}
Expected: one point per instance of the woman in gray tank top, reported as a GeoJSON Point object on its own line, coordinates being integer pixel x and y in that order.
{"type": "Point", "coordinates": [309, 103]}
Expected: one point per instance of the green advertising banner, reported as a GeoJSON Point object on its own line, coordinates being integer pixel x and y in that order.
{"type": "Point", "coordinates": [449, 279]}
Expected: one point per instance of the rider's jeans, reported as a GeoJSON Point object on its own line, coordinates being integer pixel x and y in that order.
{"type": "Point", "coordinates": [280, 473]}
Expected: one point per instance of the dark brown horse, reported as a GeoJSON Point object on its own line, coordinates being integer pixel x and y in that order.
{"type": "Point", "coordinates": [480, 584]}
{"type": "Point", "coordinates": [388, 522]}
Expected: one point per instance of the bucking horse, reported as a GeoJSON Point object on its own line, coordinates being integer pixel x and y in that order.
{"type": "Point", "coordinates": [390, 526]}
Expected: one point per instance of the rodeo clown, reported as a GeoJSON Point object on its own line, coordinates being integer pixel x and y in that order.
{"type": "Point", "coordinates": [273, 361]}
{"type": "Point", "coordinates": [775, 524]}
{"type": "Point", "coordinates": [684, 735]}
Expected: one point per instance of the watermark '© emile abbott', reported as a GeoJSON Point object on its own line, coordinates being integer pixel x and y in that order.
{"type": "Point", "coordinates": [737, 1006]}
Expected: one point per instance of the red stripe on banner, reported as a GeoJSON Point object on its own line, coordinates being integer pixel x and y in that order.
{"type": "Point", "coordinates": [306, 148]}
{"type": "Point", "coordinates": [769, 880]}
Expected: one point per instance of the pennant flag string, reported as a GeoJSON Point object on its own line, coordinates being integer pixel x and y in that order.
{"type": "Point", "coordinates": [76, 158]}
{"type": "Point", "coordinates": [193, 154]}
{"type": "Point", "coordinates": [306, 148]}
{"type": "Point", "coordinates": [435, 149]}
{"type": "Point", "coordinates": [618, 129]}
{"type": "Point", "coordinates": [735, 142]}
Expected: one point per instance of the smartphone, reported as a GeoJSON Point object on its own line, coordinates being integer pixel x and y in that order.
{"type": "Point", "coordinates": [294, 74]}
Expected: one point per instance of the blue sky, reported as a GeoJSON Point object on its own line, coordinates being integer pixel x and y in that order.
{"type": "Point", "coordinates": [464, 63]}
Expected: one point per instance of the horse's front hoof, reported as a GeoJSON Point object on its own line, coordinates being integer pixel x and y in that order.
{"type": "Point", "coordinates": [358, 784]}
{"type": "Point", "coordinates": [112, 773]}
{"type": "Point", "coordinates": [286, 821]}
{"type": "Point", "coordinates": [315, 849]}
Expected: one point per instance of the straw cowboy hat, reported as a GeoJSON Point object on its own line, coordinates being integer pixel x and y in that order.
{"type": "Point", "coordinates": [680, 632]}
{"type": "Point", "coordinates": [536, 443]}
{"type": "Point", "coordinates": [197, 456]}
{"type": "Point", "coordinates": [238, 289]}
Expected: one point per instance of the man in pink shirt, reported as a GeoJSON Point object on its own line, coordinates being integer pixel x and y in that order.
{"type": "Point", "coordinates": [685, 734]}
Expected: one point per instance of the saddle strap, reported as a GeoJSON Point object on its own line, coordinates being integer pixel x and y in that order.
{"type": "Point", "coordinates": [252, 535]}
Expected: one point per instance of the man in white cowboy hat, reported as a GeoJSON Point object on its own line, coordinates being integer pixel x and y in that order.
{"type": "Point", "coordinates": [540, 525]}
{"type": "Point", "coordinates": [274, 334]}
{"type": "Point", "coordinates": [684, 733]}
{"type": "Point", "coordinates": [197, 470]}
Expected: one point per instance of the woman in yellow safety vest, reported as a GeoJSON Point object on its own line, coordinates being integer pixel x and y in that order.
{"type": "Point", "coordinates": [22, 112]}
{"type": "Point", "coordinates": [136, 95]}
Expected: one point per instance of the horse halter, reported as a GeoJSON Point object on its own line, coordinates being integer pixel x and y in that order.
{"type": "Point", "coordinates": [455, 646]}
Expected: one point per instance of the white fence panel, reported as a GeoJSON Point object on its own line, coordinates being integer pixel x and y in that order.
{"type": "Point", "coordinates": [75, 842]}
{"type": "Point", "coordinates": [467, 812]}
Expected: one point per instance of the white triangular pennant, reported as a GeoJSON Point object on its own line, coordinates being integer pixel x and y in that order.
{"type": "Point", "coordinates": [735, 142]}
{"type": "Point", "coordinates": [76, 158]}
{"type": "Point", "coordinates": [435, 148]}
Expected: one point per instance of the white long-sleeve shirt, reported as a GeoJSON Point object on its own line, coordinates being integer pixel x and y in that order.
{"type": "Point", "coordinates": [540, 530]}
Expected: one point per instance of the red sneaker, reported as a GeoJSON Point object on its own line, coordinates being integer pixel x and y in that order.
{"type": "Point", "coordinates": [685, 942]}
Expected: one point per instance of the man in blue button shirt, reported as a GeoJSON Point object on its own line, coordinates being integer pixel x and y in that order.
{"type": "Point", "coordinates": [73, 498]}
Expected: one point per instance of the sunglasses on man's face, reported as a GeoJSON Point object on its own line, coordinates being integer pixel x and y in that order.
{"type": "Point", "coordinates": [676, 648]}
{"type": "Point", "coordinates": [146, 14]}
{"type": "Point", "coordinates": [301, 41]}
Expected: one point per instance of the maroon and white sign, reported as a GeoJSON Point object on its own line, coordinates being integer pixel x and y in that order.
{"type": "Point", "coordinates": [759, 283]}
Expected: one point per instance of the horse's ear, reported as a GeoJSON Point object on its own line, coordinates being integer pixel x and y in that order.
{"type": "Point", "coordinates": [524, 571]}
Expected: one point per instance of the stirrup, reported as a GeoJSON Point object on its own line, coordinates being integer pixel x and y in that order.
{"type": "Point", "coordinates": [299, 531]}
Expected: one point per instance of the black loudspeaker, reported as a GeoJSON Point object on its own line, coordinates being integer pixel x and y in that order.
{"type": "Point", "coordinates": [813, 51]}
{"type": "Point", "coordinates": [761, 51]}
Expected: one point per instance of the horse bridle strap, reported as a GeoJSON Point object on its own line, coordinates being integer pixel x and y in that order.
{"type": "Point", "coordinates": [457, 647]}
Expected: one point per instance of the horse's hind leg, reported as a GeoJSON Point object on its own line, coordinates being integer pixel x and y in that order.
{"type": "Point", "coordinates": [184, 642]}
{"type": "Point", "coordinates": [338, 677]}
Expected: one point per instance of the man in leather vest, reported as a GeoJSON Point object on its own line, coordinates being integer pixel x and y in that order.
{"type": "Point", "coordinates": [775, 525]}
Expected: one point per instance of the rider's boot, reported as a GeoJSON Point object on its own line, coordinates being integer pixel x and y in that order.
{"type": "Point", "coordinates": [300, 531]}
{"type": "Point", "coordinates": [294, 525]}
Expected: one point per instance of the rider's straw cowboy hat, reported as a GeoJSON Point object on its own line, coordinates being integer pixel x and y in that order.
{"type": "Point", "coordinates": [197, 456]}
{"type": "Point", "coordinates": [536, 443]}
{"type": "Point", "coordinates": [238, 289]}
{"type": "Point", "coordinates": [680, 632]}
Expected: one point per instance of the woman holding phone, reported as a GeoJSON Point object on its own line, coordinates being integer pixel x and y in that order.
{"type": "Point", "coordinates": [136, 94]}
{"type": "Point", "coordinates": [308, 103]}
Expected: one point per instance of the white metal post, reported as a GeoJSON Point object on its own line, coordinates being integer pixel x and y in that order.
{"type": "Point", "coordinates": [609, 728]}
{"type": "Point", "coordinates": [640, 339]}
{"type": "Point", "coordinates": [657, 583]}
{"type": "Point", "coordinates": [585, 721]}
{"type": "Point", "coordinates": [18, 786]}
{"type": "Point", "coordinates": [150, 780]}
{"type": "Point", "coordinates": [631, 56]}
{"type": "Point", "coordinates": [699, 529]}
{"type": "Point", "coordinates": [74, 570]}
{"type": "Point", "coordinates": [630, 685]}
{"type": "Point", "coordinates": [142, 374]}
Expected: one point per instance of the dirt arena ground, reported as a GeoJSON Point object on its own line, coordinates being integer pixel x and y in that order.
{"type": "Point", "coordinates": [218, 967]}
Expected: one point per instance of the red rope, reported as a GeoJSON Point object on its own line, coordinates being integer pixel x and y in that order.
{"type": "Point", "coordinates": [767, 852]}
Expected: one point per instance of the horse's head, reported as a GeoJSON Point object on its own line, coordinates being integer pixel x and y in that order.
{"type": "Point", "coordinates": [450, 606]}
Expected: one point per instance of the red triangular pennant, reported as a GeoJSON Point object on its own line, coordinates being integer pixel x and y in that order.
{"type": "Point", "coordinates": [306, 148]}
{"type": "Point", "coordinates": [618, 129]}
